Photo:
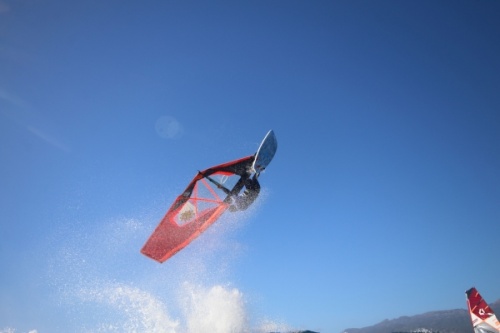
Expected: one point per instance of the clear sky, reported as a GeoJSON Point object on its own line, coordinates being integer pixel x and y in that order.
{"type": "Point", "coordinates": [383, 199]}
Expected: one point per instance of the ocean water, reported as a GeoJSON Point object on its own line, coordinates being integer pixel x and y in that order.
{"type": "Point", "coordinates": [99, 281]}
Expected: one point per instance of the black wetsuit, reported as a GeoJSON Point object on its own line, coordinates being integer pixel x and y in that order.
{"type": "Point", "coordinates": [244, 200]}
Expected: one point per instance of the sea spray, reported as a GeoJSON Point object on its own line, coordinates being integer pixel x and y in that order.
{"type": "Point", "coordinates": [140, 311]}
{"type": "Point", "coordinates": [215, 309]}
{"type": "Point", "coordinates": [106, 285]}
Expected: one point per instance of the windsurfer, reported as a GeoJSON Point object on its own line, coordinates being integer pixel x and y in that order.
{"type": "Point", "coordinates": [244, 200]}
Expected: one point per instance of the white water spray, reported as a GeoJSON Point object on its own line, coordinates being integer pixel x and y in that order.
{"type": "Point", "coordinates": [107, 286]}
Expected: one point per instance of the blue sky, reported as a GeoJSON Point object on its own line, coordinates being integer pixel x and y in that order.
{"type": "Point", "coordinates": [383, 199]}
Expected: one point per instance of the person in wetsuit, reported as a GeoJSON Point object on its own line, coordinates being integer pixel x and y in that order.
{"type": "Point", "coordinates": [244, 200]}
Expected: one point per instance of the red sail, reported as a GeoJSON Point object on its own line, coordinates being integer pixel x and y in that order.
{"type": "Point", "coordinates": [196, 209]}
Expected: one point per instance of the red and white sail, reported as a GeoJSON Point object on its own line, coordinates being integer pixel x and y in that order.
{"type": "Point", "coordinates": [482, 316]}
{"type": "Point", "coordinates": [197, 208]}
